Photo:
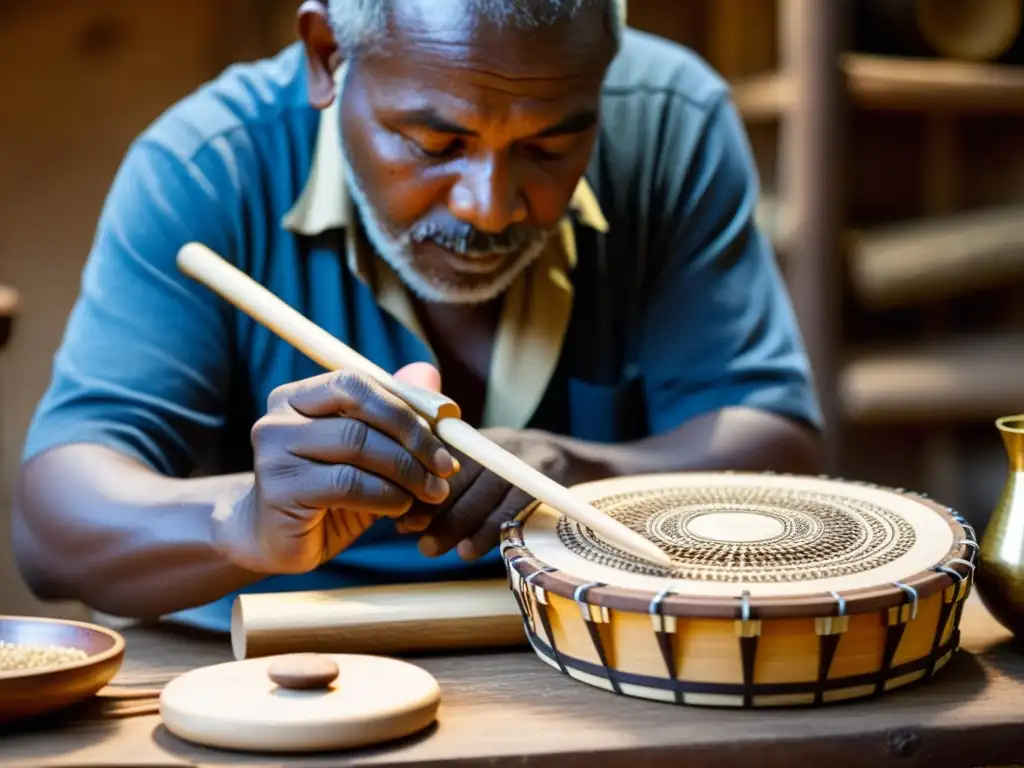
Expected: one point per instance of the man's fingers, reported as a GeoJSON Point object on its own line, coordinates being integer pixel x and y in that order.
{"type": "Point", "coordinates": [488, 535]}
{"type": "Point", "coordinates": [342, 440]}
{"type": "Point", "coordinates": [413, 522]}
{"type": "Point", "coordinates": [359, 397]}
{"type": "Point", "coordinates": [335, 486]}
{"type": "Point", "coordinates": [465, 516]}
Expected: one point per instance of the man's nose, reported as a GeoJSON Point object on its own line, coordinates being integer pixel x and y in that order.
{"type": "Point", "coordinates": [487, 196]}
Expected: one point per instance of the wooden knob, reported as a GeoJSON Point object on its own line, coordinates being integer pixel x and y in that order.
{"type": "Point", "coordinates": [303, 671]}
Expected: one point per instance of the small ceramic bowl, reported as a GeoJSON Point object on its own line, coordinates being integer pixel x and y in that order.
{"type": "Point", "coordinates": [36, 691]}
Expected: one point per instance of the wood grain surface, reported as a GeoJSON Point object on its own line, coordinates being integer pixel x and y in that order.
{"type": "Point", "coordinates": [508, 708]}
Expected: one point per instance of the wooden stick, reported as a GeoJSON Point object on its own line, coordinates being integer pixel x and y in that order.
{"type": "Point", "coordinates": [205, 266]}
{"type": "Point", "coordinates": [389, 619]}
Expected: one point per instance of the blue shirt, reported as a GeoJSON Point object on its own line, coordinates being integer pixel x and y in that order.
{"type": "Point", "coordinates": [660, 301]}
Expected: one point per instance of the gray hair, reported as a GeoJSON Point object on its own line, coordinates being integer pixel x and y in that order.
{"type": "Point", "coordinates": [359, 24]}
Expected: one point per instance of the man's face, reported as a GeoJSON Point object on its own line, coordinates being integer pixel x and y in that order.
{"type": "Point", "coordinates": [464, 142]}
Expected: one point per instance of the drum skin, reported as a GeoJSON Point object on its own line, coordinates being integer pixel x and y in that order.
{"type": "Point", "coordinates": [745, 650]}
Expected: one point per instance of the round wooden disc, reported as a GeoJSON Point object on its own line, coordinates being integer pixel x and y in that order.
{"type": "Point", "coordinates": [237, 706]}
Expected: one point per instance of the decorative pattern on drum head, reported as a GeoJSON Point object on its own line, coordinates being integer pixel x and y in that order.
{"type": "Point", "coordinates": [747, 534]}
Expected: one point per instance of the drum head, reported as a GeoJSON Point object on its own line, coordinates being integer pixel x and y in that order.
{"type": "Point", "coordinates": [769, 535]}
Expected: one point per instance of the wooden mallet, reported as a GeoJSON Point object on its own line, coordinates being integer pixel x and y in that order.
{"type": "Point", "coordinates": [443, 415]}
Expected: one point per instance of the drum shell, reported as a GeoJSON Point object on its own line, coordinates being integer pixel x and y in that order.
{"type": "Point", "coordinates": [709, 661]}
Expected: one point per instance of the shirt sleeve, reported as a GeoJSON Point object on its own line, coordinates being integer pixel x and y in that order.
{"type": "Point", "coordinates": [718, 329]}
{"type": "Point", "coordinates": [143, 365]}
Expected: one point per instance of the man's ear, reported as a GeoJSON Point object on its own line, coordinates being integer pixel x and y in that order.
{"type": "Point", "coordinates": [322, 55]}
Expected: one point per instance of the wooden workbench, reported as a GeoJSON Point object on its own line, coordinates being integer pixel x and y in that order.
{"type": "Point", "coordinates": [509, 708]}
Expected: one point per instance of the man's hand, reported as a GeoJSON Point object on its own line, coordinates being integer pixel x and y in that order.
{"type": "Point", "coordinates": [480, 501]}
{"type": "Point", "coordinates": [333, 453]}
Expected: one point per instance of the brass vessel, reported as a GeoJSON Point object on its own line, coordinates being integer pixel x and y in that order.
{"type": "Point", "coordinates": [1000, 574]}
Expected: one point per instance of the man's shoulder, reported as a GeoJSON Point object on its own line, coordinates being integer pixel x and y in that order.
{"type": "Point", "coordinates": [244, 98]}
{"type": "Point", "coordinates": [649, 68]}
{"type": "Point", "coordinates": [659, 101]}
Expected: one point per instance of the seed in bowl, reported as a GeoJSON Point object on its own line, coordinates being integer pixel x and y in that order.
{"type": "Point", "coordinates": [17, 656]}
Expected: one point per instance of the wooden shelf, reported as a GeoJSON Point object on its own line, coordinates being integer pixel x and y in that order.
{"type": "Point", "coordinates": [890, 83]}
{"type": "Point", "coordinates": [939, 257]}
{"type": "Point", "coordinates": [878, 82]}
{"type": "Point", "coordinates": [964, 379]}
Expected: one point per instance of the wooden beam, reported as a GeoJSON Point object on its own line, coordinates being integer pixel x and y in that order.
{"type": "Point", "coordinates": [942, 157]}
{"type": "Point", "coordinates": [813, 184]}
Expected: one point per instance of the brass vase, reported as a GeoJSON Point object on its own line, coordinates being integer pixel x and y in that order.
{"type": "Point", "coordinates": [1000, 574]}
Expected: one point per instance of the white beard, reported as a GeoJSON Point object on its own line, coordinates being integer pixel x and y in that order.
{"type": "Point", "coordinates": [397, 252]}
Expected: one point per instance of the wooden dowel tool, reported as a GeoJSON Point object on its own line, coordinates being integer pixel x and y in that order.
{"type": "Point", "coordinates": [386, 619]}
{"type": "Point", "coordinates": [444, 415]}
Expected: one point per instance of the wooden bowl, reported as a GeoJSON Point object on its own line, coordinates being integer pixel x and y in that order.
{"type": "Point", "coordinates": [31, 692]}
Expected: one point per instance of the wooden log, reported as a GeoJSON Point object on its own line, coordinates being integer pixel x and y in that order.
{"type": "Point", "coordinates": [938, 257]}
{"type": "Point", "coordinates": [957, 380]}
{"type": "Point", "coordinates": [894, 84]}
{"type": "Point", "coordinates": [390, 619]}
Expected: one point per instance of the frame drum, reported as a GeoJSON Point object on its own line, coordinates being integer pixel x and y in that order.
{"type": "Point", "coordinates": [785, 591]}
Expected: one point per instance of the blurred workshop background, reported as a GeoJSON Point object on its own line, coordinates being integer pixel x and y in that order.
{"type": "Point", "coordinates": [889, 134]}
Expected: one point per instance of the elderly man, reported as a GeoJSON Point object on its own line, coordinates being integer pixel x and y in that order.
{"type": "Point", "coordinates": [545, 215]}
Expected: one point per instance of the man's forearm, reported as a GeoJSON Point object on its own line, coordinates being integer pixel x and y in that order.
{"type": "Point", "coordinates": [740, 439]}
{"type": "Point", "coordinates": [94, 526]}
